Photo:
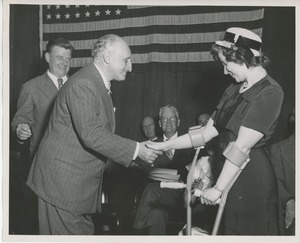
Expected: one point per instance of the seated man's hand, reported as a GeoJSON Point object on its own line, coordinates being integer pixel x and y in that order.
{"type": "Point", "coordinates": [23, 132]}
{"type": "Point", "coordinates": [147, 154]}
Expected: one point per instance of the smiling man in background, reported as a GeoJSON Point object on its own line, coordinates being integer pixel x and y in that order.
{"type": "Point", "coordinates": [31, 119]}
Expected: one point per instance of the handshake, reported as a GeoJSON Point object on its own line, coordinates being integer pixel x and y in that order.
{"type": "Point", "coordinates": [148, 152]}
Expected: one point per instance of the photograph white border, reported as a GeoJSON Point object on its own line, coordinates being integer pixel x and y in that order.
{"type": "Point", "coordinates": [132, 239]}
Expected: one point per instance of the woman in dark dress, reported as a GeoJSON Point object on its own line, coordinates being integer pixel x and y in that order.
{"type": "Point", "coordinates": [244, 120]}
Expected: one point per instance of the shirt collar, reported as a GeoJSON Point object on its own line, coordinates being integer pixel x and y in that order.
{"type": "Point", "coordinates": [54, 78]}
{"type": "Point", "coordinates": [174, 136]}
{"type": "Point", "coordinates": [106, 82]}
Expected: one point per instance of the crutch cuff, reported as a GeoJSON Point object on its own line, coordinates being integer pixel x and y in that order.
{"type": "Point", "coordinates": [196, 136]}
{"type": "Point", "coordinates": [235, 155]}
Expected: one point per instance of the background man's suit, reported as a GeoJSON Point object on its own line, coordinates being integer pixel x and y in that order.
{"type": "Point", "coordinates": [282, 155]}
{"type": "Point", "coordinates": [34, 108]}
{"type": "Point", "coordinates": [83, 124]}
{"type": "Point", "coordinates": [157, 204]}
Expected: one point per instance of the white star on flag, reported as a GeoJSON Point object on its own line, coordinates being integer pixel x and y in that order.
{"type": "Point", "coordinates": [77, 15]}
{"type": "Point", "coordinates": [87, 14]}
{"type": "Point", "coordinates": [107, 12]}
{"type": "Point", "coordinates": [67, 16]}
{"type": "Point", "coordinates": [48, 16]}
{"type": "Point", "coordinates": [58, 16]}
{"type": "Point", "coordinates": [97, 13]}
{"type": "Point", "coordinates": [118, 12]}
{"type": "Point", "coordinates": [57, 6]}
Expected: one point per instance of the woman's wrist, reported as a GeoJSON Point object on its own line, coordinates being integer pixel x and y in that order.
{"type": "Point", "coordinates": [217, 188]}
{"type": "Point", "coordinates": [167, 145]}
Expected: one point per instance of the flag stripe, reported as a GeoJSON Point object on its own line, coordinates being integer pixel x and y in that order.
{"type": "Point", "coordinates": [166, 48]}
{"type": "Point", "coordinates": [171, 66]}
{"type": "Point", "coordinates": [155, 57]}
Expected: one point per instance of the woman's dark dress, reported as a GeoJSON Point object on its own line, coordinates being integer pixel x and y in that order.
{"type": "Point", "coordinates": [252, 205]}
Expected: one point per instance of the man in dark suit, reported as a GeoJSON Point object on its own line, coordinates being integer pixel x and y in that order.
{"type": "Point", "coordinates": [282, 155]}
{"type": "Point", "coordinates": [30, 121]}
{"type": "Point", "coordinates": [67, 170]}
{"type": "Point", "coordinates": [158, 203]}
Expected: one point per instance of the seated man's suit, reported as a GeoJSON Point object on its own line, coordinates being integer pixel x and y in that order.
{"type": "Point", "coordinates": [158, 204]}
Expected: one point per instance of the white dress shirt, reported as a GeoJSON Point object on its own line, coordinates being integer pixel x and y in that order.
{"type": "Point", "coordinates": [54, 78]}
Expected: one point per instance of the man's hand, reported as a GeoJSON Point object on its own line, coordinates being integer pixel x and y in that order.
{"type": "Point", "coordinates": [289, 213]}
{"type": "Point", "coordinates": [23, 132]}
{"type": "Point", "coordinates": [147, 154]}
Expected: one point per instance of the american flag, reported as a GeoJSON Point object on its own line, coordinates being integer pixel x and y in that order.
{"type": "Point", "coordinates": [169, 38]}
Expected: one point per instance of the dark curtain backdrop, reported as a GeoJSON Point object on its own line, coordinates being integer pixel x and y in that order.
{"type": "Point", "coordinates": [144, 93]}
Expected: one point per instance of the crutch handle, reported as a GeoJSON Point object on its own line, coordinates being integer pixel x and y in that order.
{"type": "Point", "coordinates": [198, 193]}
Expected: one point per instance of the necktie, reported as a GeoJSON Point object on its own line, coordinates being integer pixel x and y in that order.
{"type": "Point", "coordinates": [169, 152]}
{"type": "Point", "coordinates": [60, 83]}
{"type": "Point", "coordinates": [108, 88]}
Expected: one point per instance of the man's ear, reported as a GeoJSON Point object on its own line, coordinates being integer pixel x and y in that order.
{"type": "Point", "coordinates": [47, 56]}
{"type": "Point", "coordinates": [106, 57]}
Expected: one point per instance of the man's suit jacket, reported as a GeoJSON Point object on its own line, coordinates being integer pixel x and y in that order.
{"type": "Point", "coordinates": [34, 108]}
{"type": "Point", "coordinates": [68, 167]}
{"type": "Point", "coordinates": [282, 155]}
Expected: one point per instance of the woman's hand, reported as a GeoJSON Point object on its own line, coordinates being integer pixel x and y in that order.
{"type": "Point", "coordinates": [210, 196]}
{"type": "Point", "coordinates": [161, 146]}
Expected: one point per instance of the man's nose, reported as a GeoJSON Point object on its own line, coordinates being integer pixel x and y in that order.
{"type": "Point", "coordinates": [66, 61]}
{"type": "Point", "coordinates": [129, 66]}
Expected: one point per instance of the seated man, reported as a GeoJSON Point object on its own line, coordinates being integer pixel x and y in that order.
{"type": "Point", "coordinates": [158, 203]}
{"type": "Point", "coordinates": [202, 119]}
{"type": "Point", "coordinates": [148, 126]}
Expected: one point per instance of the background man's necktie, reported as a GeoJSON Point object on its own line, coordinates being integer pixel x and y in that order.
{"type": "Point", "coordinates": [60, 83]}
{"type": "Point", "coordinates": [169, 152]}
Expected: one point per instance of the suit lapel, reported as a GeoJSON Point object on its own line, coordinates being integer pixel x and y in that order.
{"type": "Point", "coordinates": [47, 86]}
{"type": "Point", "coordinates": [106, 98]}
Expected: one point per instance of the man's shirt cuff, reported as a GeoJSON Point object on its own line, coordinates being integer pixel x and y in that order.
{"type": "Point", "coordinates": [137, 149]}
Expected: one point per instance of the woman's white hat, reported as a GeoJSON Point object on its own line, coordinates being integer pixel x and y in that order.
{"type": "Point", "coordinates": [240, 37]}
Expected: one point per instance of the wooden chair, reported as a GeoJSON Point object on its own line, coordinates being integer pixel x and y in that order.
{"type": "Point", "coordinates": [119, 201]}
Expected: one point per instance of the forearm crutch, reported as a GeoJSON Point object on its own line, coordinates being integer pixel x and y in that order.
{"type": "Point", "coordinates": [224, 198]}
{"type": "Point", "coordinates": [189, 182]}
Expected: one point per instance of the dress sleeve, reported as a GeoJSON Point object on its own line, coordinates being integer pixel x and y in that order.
{"type": "Point", "coordinates": [227, 93]}
{"type": "Point", "coordinates": [264, 110]}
